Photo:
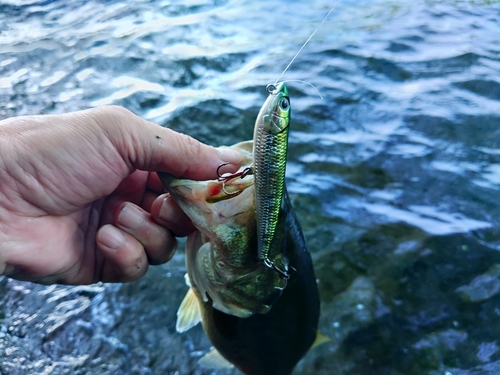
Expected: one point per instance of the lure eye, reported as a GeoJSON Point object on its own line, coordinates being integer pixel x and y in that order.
{"type": "Point", "coordinates": [284, 104]}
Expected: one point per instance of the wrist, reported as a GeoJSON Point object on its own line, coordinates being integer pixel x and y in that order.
{"type": "Point", "coordinates": [8, 145]}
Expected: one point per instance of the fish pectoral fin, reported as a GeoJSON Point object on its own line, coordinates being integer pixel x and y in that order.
{"type": "Point", "coordinates": [320, 339]}
{"type": "Point", "coordinates": [187, 280]}
{"type": "Point", "coordinates": [189, 313]}
{"type": "Point", "coordinates": [214, 360]}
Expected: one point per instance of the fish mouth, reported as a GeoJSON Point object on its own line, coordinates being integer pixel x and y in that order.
{"type": "Point", "coordinates": [215, 202]}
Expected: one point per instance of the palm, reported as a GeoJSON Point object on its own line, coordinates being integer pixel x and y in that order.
{"type": "Point", "coordinates": [66, 233]}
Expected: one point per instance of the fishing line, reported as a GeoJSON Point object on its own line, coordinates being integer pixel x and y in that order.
{"type": "Point", "coordinates": [305, 43]}
{"type": "Point", "coordinates": [307, 83]}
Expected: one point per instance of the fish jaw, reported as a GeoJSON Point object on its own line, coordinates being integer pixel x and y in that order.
{"type": "Point", "coordinates": [203, 201]}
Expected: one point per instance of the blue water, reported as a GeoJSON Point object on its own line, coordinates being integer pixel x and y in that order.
{"type": "Point", "coordinates": [394, 173]}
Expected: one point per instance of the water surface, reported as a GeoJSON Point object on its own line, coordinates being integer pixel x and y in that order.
{"type": "Point", "coordinates": [394, 173]}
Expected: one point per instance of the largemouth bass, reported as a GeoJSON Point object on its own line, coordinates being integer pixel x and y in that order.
{"type": "Point", "coordinates": [260, 320]}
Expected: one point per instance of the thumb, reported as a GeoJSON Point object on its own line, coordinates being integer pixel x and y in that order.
{"type": "Point", "coordinates": [150, 147]}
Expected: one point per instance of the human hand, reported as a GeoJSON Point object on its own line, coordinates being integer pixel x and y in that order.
{"type": "Point", "coordinates": [77, 203]}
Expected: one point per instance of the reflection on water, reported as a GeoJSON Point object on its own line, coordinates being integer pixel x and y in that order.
{"type": "Point", "coordinates": [394, 173]}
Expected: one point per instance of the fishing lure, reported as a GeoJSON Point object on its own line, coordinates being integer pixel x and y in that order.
{"type": "Point", "coordinates": [270, 145]}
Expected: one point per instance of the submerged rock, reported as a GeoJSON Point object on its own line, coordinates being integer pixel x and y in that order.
{"type": "Point", "coordinates": [482, 287]}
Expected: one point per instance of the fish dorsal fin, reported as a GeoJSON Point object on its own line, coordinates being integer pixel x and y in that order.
{"type": "Point", "coordinates": [189, 313]}
{"type": "Point", "coordinates": [214, 360]}
{"type": "Point", "coordinates": [320, 339]}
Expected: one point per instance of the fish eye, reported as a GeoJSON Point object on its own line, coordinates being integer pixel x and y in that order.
{"type": "Point", "coordinates": [284, 104]}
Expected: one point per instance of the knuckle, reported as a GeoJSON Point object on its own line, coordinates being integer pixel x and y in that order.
{"type": "Point", "coordinates": [192, 151]}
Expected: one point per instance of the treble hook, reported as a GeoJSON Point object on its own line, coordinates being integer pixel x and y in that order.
{"type": "Point", "coordinates": [284, 274]}
{"type": "Point", "coordinates": [224, 178]}
{"type": "Point", "coordinates": [218, 171]}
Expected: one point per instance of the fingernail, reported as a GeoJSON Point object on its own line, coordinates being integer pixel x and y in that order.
{"type": "Point", "coordinates": [165, 213]}
{"type": "Point", "coordinates": [230, 156]}
{"type": "Point", "coordinates": [111, 237]}
{"type": "Point", "coordinates": [130, 217]}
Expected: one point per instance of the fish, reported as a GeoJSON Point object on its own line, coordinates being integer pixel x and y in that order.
{"type": "Point", "coordinates": [259, 318]}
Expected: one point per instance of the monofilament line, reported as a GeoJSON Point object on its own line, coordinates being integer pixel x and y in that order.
{"type": "Point", "coordinates": [307, 41]}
